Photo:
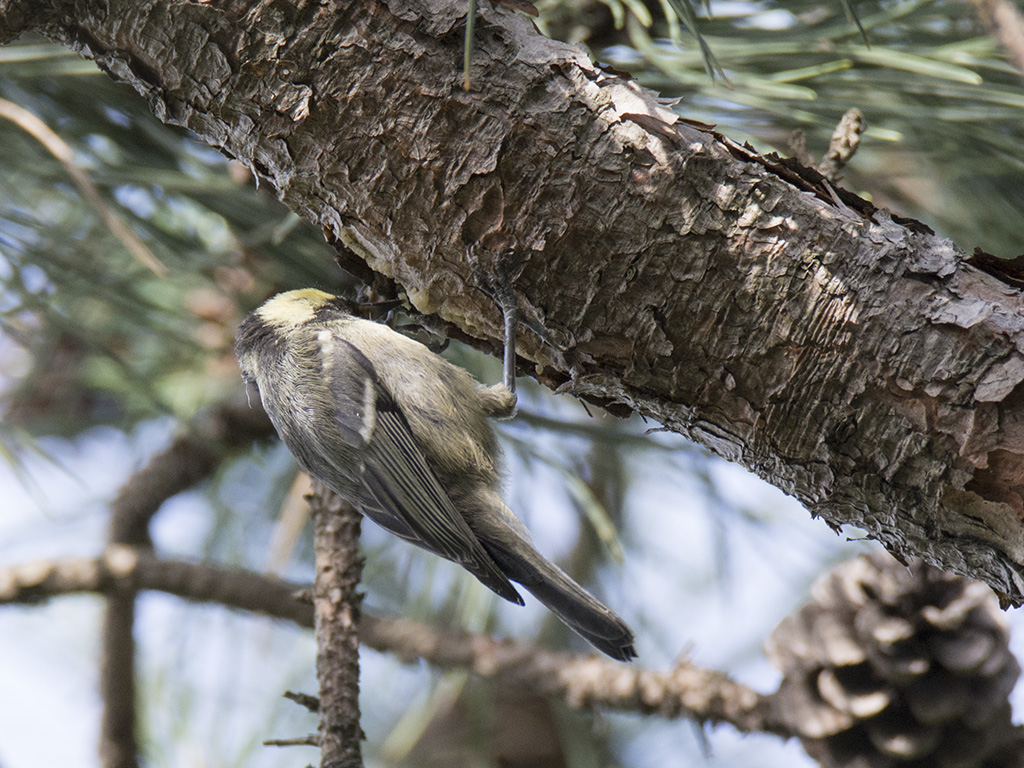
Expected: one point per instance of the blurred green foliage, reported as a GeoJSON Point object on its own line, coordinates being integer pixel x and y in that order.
{"type": "Point", "coordinates": [93, 334]}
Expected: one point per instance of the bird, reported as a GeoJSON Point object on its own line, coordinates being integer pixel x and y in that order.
{"type": "Point", "coordinates": [405, 437]}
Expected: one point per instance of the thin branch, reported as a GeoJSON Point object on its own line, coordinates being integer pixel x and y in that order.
{"type": "Point", "coordinates": [312, 740]}
{"type": "Point", "coordinates": [582, 681]}
{"type": "Point", "coordinates": [312, 703]}
{"type": "Point", "coordinates": [336, 599]}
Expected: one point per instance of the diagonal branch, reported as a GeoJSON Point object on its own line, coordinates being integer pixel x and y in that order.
{"type": "Point", "coordinates": [853, 358]}
{"type": "Point", "coordinates": [34, 126]}
{"type": "Point", "coordinates": [581, 681]}
{"type": "Point", "coordinates": [191, 458]}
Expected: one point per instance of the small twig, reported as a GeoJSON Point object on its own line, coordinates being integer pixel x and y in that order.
{"type": "Point", "coordinates": [581, 681]}
{"type": "Point", "coordinates": [122, 570]}
{"type": "Point", "coordinates": [336, 599]}
{"type": "Point", "coordinates": [312, 703]}
{"type": "Point", "coordinates": [311, 740]}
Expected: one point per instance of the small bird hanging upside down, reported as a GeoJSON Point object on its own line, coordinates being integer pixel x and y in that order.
{"type": "Point", "coordinates": [404, 436]}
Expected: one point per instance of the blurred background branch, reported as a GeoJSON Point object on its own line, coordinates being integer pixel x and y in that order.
{"type": "Point", "coordinates": [885, 660]}
{"type": "Point", "coordinates": [582, 681]}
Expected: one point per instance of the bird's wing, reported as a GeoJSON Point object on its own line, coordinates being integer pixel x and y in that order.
{"type": "Point", "coordinates": [406, 493]}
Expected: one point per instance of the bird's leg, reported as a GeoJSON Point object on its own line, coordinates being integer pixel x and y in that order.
{"type": "Point", "coordinates": [506, 296]}
{"type": "Point", "coordinates": [500, 401]}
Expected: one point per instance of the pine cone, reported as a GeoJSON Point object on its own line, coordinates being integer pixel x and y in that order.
{"type": "Point", "coordinates": [897, 667]}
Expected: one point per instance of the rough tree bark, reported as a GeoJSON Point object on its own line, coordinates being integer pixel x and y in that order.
{"type": "Point", "coordinates": [855, 360]}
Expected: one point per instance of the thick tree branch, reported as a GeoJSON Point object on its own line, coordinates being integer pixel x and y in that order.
{"type": "Point", "coordinates": [582, 681]}
{"type": "Point", "coordinates": [855, 360]}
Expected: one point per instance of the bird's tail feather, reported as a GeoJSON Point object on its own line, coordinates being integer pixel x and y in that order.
{"type": "Point", "coordinates": [580, 610]}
